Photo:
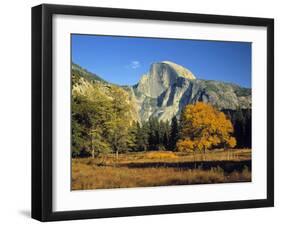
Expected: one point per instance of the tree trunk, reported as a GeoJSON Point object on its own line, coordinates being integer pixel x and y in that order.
{"type": "Point", "coordinates": [194, 159]}
{"type": "Point", "coordinates": [117, 154]}
{"type": "Point", "coordinates": [204, 154]}
{"type": "Point", "coordinates": [195, 165]}
{"type": "Point", "coordinates": [228, 155]}
{"type": "Point", "coordinates": [224, 148]}
{"type": "Point", "coordinates": [92, 147]}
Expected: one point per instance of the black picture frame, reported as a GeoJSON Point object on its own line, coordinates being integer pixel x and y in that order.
{"type": "Point", "coordinates": [42, 95]}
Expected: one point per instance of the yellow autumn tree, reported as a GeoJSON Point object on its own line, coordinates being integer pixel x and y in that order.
{"type": "Point", "coordinates": [185, 145]}
{"type": "Point", "coordinates": [202, 127]}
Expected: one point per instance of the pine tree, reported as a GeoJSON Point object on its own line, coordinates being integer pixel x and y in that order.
{"type": "Point", "coordinates": [174, 134]}
{"type": "Point", "coordinates": [142, 143]}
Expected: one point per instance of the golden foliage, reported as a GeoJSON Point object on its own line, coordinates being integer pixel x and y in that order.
{"type": "Point", "coordinates": [185, 145]}
{"type": "Point", "coordinates": [232, 142]}
{"type": "Point", "coordinates": [203, 127]}
{"type": "Point", "coordinates": [161, 155]}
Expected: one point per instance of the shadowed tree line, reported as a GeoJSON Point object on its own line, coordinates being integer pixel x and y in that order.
{"type": "Point", "coordinates": [242, 123]}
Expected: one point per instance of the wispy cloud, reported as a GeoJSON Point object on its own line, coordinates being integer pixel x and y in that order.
{"type": "Point", "coordinates": [135, 64]}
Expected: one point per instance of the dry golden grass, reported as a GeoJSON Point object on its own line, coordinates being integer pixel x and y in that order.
{"type": "Point", "coordinates": [146, 169]}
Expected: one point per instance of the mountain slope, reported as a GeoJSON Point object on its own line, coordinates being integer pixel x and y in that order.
{"type": "Point", "coordinates": [86, 74]}
{"type": "Point", "coordinates": [92, 87]}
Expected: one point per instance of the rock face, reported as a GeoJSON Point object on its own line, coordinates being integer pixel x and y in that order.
{"type": "Point", "coordinates": [168, 87]}
{"type": "Point", "coordinates": [161, 77]}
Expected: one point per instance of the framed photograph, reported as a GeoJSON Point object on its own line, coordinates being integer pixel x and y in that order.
{"type": "Point", "coordinates": [145, 112]}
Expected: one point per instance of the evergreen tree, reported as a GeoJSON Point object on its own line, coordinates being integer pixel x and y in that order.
{"type": "Point", "coordinates": [242, 123]}
{"type": "Point", "coordinates": [166, 135]}
{"type": "Point", "coordinates": [174, 134]}
{"type": "Point", "coordinates": [132, 137]}
{"type": "Point", "coordinates": [142, 143]}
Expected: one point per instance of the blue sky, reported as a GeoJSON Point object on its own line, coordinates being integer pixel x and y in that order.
{"type": "Point", "coordinates": [122, 60]}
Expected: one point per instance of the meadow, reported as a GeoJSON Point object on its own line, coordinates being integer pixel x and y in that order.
{"type": "Point", "coordinates": [161, 168]}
